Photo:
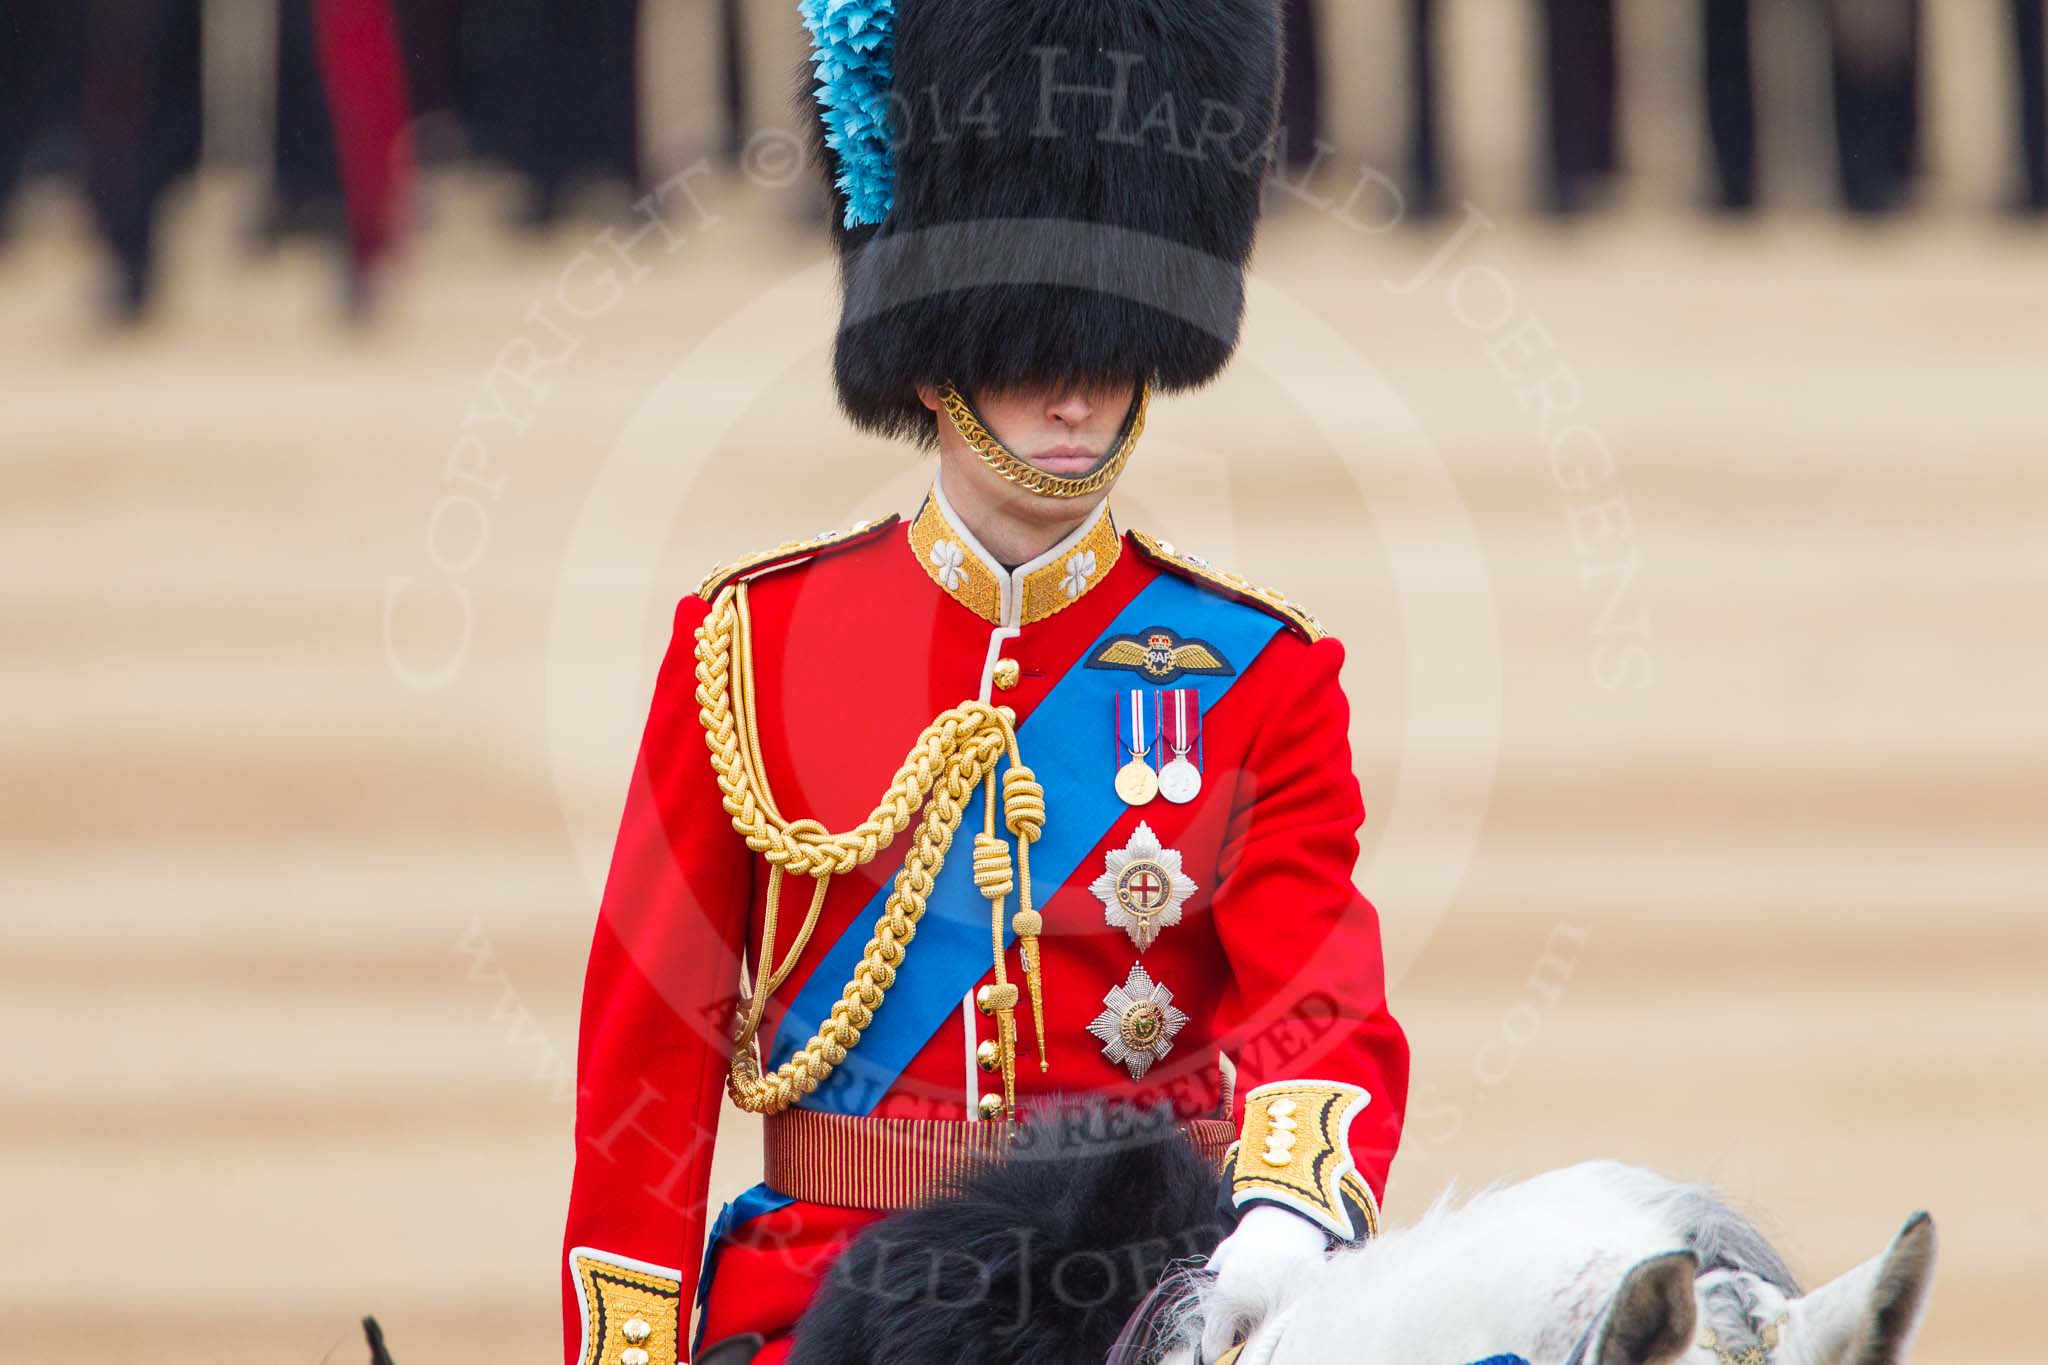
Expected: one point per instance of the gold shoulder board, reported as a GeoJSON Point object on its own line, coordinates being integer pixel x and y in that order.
{"type": "Point", "coordinates": [796, 551]}
{"type": "Point", "coordinates": [1199, 570]}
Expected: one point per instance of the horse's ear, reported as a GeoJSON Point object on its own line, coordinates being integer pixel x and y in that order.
{"type": "Point", "coordinates": [1869, 1316]}
{"type": "Point", "coordinates": [1653, 1315]}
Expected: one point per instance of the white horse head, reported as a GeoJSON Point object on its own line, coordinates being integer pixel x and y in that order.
{"type": "Point", "coordinates": [1866, 1317]}
{"type": "Point", "coordinates": [1600, 1264]}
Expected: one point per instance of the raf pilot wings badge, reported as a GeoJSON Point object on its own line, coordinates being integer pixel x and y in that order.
{"type": "Point", "coordinates": [1161, 656]}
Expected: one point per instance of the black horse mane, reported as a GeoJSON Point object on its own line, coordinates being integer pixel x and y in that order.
{"type": "Point", "coordinates": [1041, 1256]}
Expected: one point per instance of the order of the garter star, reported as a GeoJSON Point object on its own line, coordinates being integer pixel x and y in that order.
{"type": "Point", "coordinates": [1142, 887]}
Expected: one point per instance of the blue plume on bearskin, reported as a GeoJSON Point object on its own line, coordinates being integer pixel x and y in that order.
{"type": "Point", "coordinates": [852, 47]}
{"type": "Point", "coordinates": [1073, 193]}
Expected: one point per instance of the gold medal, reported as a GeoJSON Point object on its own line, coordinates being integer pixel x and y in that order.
{"type": "Point", "coordinates": [1136, 783]}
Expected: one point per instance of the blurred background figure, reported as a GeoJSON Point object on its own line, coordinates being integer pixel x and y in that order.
{"type": "Point", "coordinates": [556, 96]}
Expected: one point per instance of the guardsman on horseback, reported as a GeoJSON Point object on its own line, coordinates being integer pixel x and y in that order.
{"type": "Point", "coordinates": [937, 819]}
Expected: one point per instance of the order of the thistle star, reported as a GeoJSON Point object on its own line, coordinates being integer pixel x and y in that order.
{"type": "Point", "coordinates": [1138, 1023]}
{"type": "Point", "coordinates": [1142, 887]}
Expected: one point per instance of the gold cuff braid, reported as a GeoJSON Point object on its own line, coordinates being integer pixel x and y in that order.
{"type": "Point", "coordinates": [632, 1312]}
{"type": "Point", "coordinates": [1295, 1151]}
{"type": "Point", "coordinates": [963, 747]}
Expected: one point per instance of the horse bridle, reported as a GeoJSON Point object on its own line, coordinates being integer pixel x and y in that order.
{"type": "Point", "coordinates": [1749, 1355]}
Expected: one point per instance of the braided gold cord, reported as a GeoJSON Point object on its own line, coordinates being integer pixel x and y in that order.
{"type": "Point", "coordinates": [961, 748]}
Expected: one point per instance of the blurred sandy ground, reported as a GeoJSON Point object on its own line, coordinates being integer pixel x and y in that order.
{"type": "Point", "coordinates": [290, 953]}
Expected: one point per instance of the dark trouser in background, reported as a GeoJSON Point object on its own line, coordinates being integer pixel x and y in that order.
{"type": "Point", "coordinates": [343, 156]}
{"type": "Point", "coordinates": [1729, 78]}
{"type": "Point", "coordinates": [1876, 101]}
{"type": "Point", "coordinates": [2030, 44]}
{"type": "Point", "coordinates": [732, 85]}
{"type": "Point", "coordinates": [1425, 161]}
{"type": "Point", "coordinates": [141, 122]}
{"type": "Point", "coordinates": [1580, 63]}
{"type": "Point", "coordinates": [1301, 92]}
{"type": "Point", "coordinates": [556, 87]}
{"type": "Point", "coordinates": [42, 89]}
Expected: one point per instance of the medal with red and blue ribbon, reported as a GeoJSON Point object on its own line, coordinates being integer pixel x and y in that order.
{"type": "Point", "coordinates": [1179, 734]}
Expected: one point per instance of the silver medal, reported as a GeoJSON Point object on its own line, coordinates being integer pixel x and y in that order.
{"type": "Point", "coordinates": [1180, 781]}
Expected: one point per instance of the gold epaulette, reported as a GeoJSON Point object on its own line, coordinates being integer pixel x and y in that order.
{"type": "Point", "coordinates": [1199, 570]}
{"type": "Point", "coordinates": [826, 542]}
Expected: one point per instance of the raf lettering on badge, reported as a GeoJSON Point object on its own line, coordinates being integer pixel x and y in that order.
{"type": "Point", "coordinates": [1161, 656]}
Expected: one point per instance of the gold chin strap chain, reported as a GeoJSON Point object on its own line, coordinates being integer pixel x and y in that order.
{"type": "Point", "coordinates": [1028, 476]}
{"type": "Point", "coordinates": [962, 747]}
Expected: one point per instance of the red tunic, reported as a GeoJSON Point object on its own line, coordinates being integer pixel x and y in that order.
{"type": "Point", "coordinates": [859, 642]}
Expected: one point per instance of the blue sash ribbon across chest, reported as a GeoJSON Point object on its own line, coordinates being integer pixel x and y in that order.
{"type": "Point", "coordinates": [1065, 742]}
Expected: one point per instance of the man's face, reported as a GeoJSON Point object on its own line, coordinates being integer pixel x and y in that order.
{"type": "Point", "coordinates": [1067, 430]}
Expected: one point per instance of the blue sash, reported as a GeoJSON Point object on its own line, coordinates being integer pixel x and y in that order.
{"type": "Point", "coordinates": [751, 1204]}
{"type": "Point", "coordinates": [1066, 741]}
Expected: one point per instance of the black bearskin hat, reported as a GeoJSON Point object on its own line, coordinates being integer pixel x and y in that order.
{"type": "Point", "coordinates": [1072, 189]}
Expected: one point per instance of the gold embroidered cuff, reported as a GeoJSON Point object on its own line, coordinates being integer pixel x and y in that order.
{"type": "Point", "coordinates": [1295, 1151]}
{"type": "Point", "coordinates": [631, 1310]}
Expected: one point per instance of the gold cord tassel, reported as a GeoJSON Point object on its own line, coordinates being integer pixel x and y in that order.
{"type": "Point", "coordinates": [992, 879]}
{"type": "Point", "coordinates": [1027, 924]}
{"type": "Point", "coordinates": [1024, 815]}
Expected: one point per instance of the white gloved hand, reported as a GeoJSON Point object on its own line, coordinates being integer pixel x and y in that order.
{"type": "Point", "coordinates": [1253, 1267]}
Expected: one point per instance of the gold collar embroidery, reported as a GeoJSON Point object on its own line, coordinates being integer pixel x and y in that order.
{"type": "Point", "coordinates": [1063, 575]}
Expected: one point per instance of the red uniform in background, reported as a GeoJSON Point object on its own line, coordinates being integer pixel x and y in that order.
{"type": "Point", "coordinates": [1211, 929]}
